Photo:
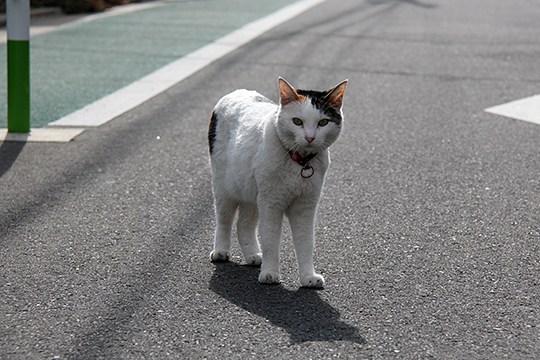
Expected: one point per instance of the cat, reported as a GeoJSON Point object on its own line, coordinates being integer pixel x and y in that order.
{"type": "Point", "coordinates": [270, 160]}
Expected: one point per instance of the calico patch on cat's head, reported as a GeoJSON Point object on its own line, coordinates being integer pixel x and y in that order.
{"type": "Point", "coordinates": [308, 120]}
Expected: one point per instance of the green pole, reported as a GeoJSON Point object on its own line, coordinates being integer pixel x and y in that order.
{"type": "Point", "coordinates": [18, 65]}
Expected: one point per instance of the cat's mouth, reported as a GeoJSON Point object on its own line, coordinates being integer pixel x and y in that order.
{"type": "Point", "coordinates": [310, 147]}
{"type": "Point", "coordinates": [304, 150]}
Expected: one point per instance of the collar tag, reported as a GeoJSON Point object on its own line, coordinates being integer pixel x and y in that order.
{"type": "Point", "coordinates": [307, 171]}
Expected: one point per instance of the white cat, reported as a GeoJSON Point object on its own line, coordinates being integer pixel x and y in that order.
{"type": "Point", "coordinates": [269, 160]}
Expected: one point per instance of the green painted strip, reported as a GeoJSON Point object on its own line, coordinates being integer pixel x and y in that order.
{"type": "Point", "coordinates": [18, 94]}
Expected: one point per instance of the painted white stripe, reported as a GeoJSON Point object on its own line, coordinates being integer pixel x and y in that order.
{"type": "Point", "coordinates": [114, 11]}
{"type": "Point", "coordinates": [129, 97]}
{"type": "Point", "coordinates": [18, 19]}
{"type": "Point", "coordinates": [527, 109]}
{"type": "Point", "coordinates": [42, 135]}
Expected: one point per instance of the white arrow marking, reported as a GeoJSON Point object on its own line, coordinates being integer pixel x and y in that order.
{"type": "Point", "coordinates": [527, 109]}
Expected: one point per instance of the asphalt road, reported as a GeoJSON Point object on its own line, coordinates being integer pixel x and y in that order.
{"type": "Point", "coordinates": [428, 229]}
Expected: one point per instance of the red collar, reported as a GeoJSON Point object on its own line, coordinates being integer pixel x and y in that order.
{"type": "Point", "coordinates": [307, 171]}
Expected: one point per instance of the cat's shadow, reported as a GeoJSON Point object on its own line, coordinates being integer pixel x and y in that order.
{"type": "Point", "coordinates": [302, 313]}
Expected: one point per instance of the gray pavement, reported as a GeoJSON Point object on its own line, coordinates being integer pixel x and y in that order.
{"type": "Point", "coordinates": [428, 230]}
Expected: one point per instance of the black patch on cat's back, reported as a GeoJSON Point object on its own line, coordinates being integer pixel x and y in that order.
{"type": "Point", "coordinates": [212, 131]}
{"type": "Point", "coordinates": [319, 101]}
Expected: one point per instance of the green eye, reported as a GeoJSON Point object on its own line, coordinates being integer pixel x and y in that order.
{"type": "Point", "coordinates": [323, 122]}
{"type": "Point", "coordinates": [298, 122]}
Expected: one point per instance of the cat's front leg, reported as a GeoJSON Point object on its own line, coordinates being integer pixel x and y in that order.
{"type": "Point", "coordinates": [270, 222]}
{"type": "Point", "coordinates": [302, 219]}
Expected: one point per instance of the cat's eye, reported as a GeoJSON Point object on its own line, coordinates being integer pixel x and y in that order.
{"type": "Point", "coordinates": [298, 122]}
{"type": "Point", "coordinates": [323, 122]}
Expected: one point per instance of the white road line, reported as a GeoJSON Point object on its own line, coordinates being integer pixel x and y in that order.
{"type": "Point", "coordinates": [527, 109]}
{"type": "Point", "coordinates": [129, 97]}
{"type": "Point", "coordinates": [114, 11]}
{"type": "Point", "coordinates": [45, 134]}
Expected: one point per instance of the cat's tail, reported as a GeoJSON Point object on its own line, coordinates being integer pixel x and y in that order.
{"type": "Point", "coordinates": [212, 131]}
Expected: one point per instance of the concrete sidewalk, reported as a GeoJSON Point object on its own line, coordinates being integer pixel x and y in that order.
{"type": "Point", "coordinates": [82, 61]}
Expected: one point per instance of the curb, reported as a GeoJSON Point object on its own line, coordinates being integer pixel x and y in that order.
{"type": "Point", "coordinates": [35, 12]}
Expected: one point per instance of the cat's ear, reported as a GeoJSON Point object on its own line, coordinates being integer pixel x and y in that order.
{"type": "Point", "coordinates": [287, 93]}
{"type": "Point", "coordinates": [335, 95]}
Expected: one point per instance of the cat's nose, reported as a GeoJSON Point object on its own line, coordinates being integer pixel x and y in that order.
{"type": "Point", "coordinates": [309, 139]}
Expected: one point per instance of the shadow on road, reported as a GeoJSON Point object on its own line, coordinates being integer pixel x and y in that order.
{"type": "Point", "coordinates": [408, 2]}
{"type": "Point", "coordinates": [302, 313]}
{"type": "Point", "coordinates": [9, 151]}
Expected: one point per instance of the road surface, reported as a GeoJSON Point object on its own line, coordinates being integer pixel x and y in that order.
{"type": "Point", "coordinates": [428, 231]}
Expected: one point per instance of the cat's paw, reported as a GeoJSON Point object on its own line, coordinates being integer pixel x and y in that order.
{"type": "Point", "coordinates": [254, 260]}
{"type": "Point", "coordinates": [269, 277]}
{"type": "Point", "coordinates": [219, 256]}
{"type": "Point", "coordinates": [312, 281]}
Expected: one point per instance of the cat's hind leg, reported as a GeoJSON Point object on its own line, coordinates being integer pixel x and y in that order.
{"type": "Point", "coordinates": [247, 233]}
{"type": "Point", "coordinates": [225, 212]}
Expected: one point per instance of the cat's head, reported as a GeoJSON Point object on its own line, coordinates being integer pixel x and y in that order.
{"type": "Point", "coordinates": [309, 121]}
